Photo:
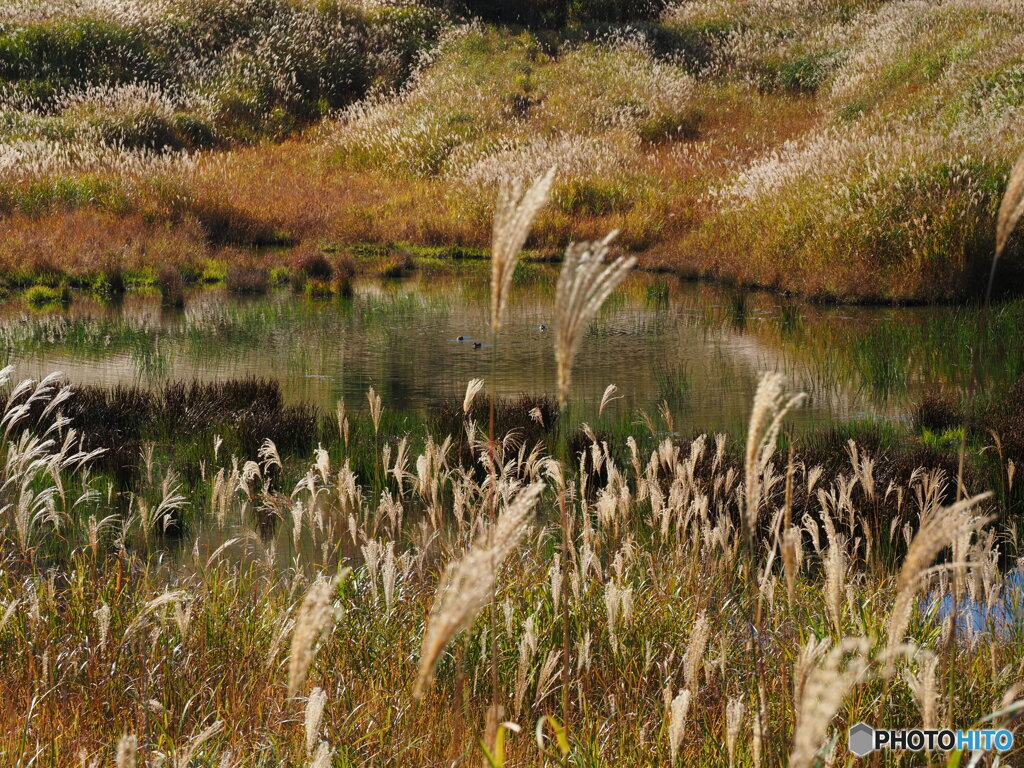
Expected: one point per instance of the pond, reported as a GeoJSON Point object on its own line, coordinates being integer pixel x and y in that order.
{"type": "Point", "coordinates": [696, 347]}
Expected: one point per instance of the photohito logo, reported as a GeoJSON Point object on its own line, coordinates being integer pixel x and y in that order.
{"type": "Point", "coordinates": [864, 739]}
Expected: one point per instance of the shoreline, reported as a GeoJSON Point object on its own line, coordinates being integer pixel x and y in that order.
{"type": "Point", "coordinates": [373, 258]}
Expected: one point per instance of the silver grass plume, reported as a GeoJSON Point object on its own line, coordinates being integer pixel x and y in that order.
{"type": "Point", "coordinates": [1012, 206]}
{"type": "Point", "coordinates": [468, 583]}
{"type": "Point", "coordinates": [8, 613]}
{"type": "Point", "coordinates": [584, 284]}
{"type": "Point", "coordinates": [940, 527]}
{"type": "Point", "coordinates": [822, 695]}
{"type": "Point", "coordinates": [734, 711]}
{"type": "Point", "coordinates": [185, 759]}
{"type": "Point", "coordinates": [127, 748]}
{"type": "Point", "coordinates": [770, 407]}
{"type": "Point", "coordinates": [693, 659]}
{"type": "Point", "coordinates": [472, 390]}
{"type": "Point", "coordinates": [611, 393]}
{"type": "Point", "coordinates": [322, 758]}
{"type": "Point", "coordinates": [678, 711]}
{"type": "Point", "coordinates": [314, 714]}
{"type": "Point", "coordinates": [375, 408]}
{"type": "Point", "coordinates": [1010, 210]}
{"type": "Point", "coordinates": [102, 616]}
{"type": "Point", "coordinates": [514, 214]}
{"type": "Point", "coordinates": [923, 686]}
{"type": "Point", "coordinates": [315, 614]}
{"type": "Point", "coordinates": [153, 605]}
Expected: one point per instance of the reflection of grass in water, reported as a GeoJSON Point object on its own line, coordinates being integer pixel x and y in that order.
{"type": "Point", "coordinates": [614, 303]}
{"type": "Point", "coordinates": [676, 388]}
{"type": "Point", "coordinates": [209, 333]}
{"type": "Point", "coordinates": [388, 309]}
{"type": "Point", "coordinates": [790, 321]}
{"type": "Point", "coordinates": [152, 360]}
{"type": "Point", "coordinates": [236, 323]}
{"type": "Point", "coordinates": [738, 310]}
{"type": "Point", "coordinates": [539, 276]}
{"type": "Point", "coordinates": [538, 280]}
{"type": "Point", "coordinates": [87, 338]}
{"type": "Point", "coordinates": [881, 363]}
{"type": "Point", "coordinates": [893, 354]}
{"type": "Point", "coordinates": [657, 294]}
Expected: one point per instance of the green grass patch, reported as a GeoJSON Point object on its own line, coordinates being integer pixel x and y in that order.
{"type": "Point", "coordinates": [40, 296]}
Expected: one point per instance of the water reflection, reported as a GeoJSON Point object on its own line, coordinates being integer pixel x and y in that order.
{"type": "Point", "coordinates": [697, 347]}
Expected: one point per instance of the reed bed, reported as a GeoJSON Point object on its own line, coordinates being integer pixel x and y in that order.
{"type": "Point", "coordinates": [643, 606]}
{"type": "Point", "coordinates": [242, 645]}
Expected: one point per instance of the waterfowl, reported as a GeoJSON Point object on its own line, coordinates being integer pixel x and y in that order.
{"type": "Point", "coordinates": [461, 338]}
{"type": "Point", "coordinates": [543, 327]}
{"type": "Point", "coordinates": [477, 344]}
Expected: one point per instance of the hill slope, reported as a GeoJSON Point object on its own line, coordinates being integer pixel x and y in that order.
{"type": "Point", "coordinates": [852, 150]}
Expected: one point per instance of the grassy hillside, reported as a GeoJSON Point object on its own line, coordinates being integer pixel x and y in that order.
{"type": "Point", "coordinates": [852, 150]}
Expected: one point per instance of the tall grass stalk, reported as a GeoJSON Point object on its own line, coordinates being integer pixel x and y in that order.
{"type": "Point", "coordinates": [468, 583]}
{"type": "Point", "coordinates": [514, 214]}
{"type": "Point", "coordinates": [584, 283]}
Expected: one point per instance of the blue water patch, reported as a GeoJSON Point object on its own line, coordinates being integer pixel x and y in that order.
{"type": "Point", "coordinates": [1005, 616]}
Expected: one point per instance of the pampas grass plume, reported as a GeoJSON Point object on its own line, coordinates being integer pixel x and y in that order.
{"type": "Point", "coordinates": [514, 214]}
{"type": "Point", "coordinates": [584, 284]}
{"type": "Point", "coordinates": [468, 583]}
{"type": "Point", "coordinates": [315, 614]}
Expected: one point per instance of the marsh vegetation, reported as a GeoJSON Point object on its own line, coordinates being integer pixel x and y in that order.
{"type": "Point", "coordinates": [339, 471]}
{"type": "Point", "coordinates": [202, 574]}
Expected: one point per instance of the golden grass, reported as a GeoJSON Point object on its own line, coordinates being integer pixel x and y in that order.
{"type": "Point", "coordinates": [191, 659]}
{"type": "Point", "coordinates": [288, 192]}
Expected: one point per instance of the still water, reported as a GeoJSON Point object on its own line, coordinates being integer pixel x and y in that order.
{"type": "Point", "coordinates": [698, 348]}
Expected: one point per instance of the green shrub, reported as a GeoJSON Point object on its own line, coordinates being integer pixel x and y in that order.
{"type": "Point", "coordinates": [318, 289]}
{"type": "Point", "coordinates": [695, 44]}
{"type": "Point", "coordinates": [45, 295]}
{"type": "Point", "coordinates": [684, 124]}
{"type": "Point", "coordinates": [396, 265]}
{"type": "Point", "coordinates": [949, 439]}
{"type": "Point", "coordinates": [61, 192]}
{"type": "Point", "coordinates": [76, 51]}
{"type": "Point", "coordinates": [109, 282]}
{"type": "Point", "coordinates": [592, 197]}
{"type": "Point", "coordinates": [191, 272]}
{"type": "Point", "coordinates": [280, 276]}
{"type": "Point", "coordinates": [805, 73]}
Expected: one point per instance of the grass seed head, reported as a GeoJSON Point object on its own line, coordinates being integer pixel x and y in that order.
{"type": "Point", "coordinates": [468, 583]}
{"type": "Point", "coordinates": [514, 215]}
{"type": "Point", "coordinates": [1012, 206]}
{"type": "Point", "coordinates": [584, 284]}
{"type": "Point", "coordinates": [315, 615]}
{"type": "Point", "coordinates": [940, 527]}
